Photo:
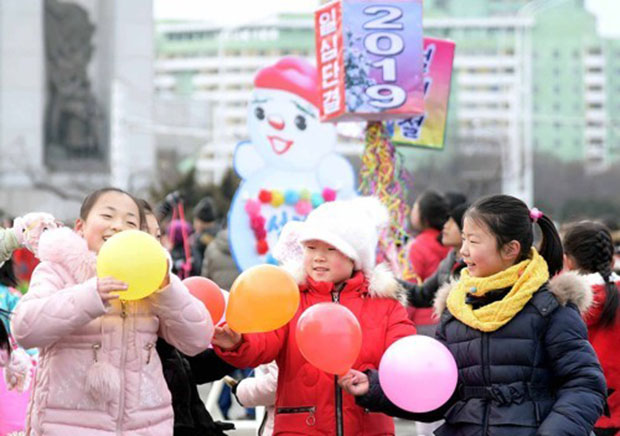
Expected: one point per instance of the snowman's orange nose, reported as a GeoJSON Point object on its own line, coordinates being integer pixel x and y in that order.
{"type": "Point", "coordinates": [276, 122]}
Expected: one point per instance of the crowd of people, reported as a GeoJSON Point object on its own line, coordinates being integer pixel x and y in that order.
{"type": "Point", "coordinates": [527, 308]}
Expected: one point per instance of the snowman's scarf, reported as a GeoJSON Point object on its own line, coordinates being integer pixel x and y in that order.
{"type": "Point", "coordinates": [383, 175]}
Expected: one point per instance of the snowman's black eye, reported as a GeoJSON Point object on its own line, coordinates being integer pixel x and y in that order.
{"type": "Point", "coordinates": [260, 113]}
{"type": "Point", "coordinates": [300, 122]}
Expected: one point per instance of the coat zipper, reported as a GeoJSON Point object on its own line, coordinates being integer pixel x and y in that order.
{"type": "Point", "coordinates": [486, 378]}
{"type": "Point", "coordinates": [121, 401]}
{"type": "Point", "coordinates": [338, 389]}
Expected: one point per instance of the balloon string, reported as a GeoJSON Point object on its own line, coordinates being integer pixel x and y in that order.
{"type": "Point", "coordinates": [187, 265]}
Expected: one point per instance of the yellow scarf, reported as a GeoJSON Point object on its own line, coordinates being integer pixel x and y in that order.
{"type": "Point", "coordinates": [525, 278]}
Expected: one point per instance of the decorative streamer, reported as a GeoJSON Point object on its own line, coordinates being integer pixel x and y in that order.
{"type": "Point", "coordinates": [384, 176]}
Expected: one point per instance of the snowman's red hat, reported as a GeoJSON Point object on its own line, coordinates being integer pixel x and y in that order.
{"type": "Point", "coordinates": [293, 75]}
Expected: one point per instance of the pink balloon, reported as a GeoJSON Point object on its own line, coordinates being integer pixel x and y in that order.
{"type": "Point", "coordinates": [418, 373]}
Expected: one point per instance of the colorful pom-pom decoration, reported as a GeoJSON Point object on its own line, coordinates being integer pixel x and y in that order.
{"type": "Point", "coordinates": [262, 247]}
{"type": "Point", "coordinates": [329, 194]}
{"type": "Point", "coordinates": [302, 201]}
{"type": "Point", "coordinates": [291, 197]}
{"type": "Point", "coordinates": [264, 196]}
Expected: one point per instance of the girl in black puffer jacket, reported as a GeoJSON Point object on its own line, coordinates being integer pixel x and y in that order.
{"type": "Point", "coordinates": [525, 365]}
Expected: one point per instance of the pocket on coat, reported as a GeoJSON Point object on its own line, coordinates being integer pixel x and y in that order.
{"type": "Point", "coordinates": [67, 369]}
{"type": "Point", "coordinates": [153, 391]}
{"type": "Point", "coordinates": [295, 420]}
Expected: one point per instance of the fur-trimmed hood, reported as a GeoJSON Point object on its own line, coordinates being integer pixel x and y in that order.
{"type": "Point", "coordinates": [381, 283]}
{"type": "Point", "coordinates": [568, 287]}
{"type": "Point", "coordinates": [68, 249]}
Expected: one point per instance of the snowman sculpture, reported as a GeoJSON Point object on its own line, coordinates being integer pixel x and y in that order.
{"type": "Point", "coordinates": [288, 167]}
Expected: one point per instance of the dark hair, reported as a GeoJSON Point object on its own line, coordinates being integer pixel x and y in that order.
{"type": "Point", "coordinates": [433, 210]}
{"type": "Point", "coordinates": [92, 198]}
{"type": "Point", "coordinates": [508, 219]}
{"type": "Point", "coordinates": [148, 209]}
{"type": "Point", "coordinates": [457, 213]}
{"type": "Point", "coordinates": [454, 199]}
{"type": "Point", "coordinates": [7, 274]}
{"type": "Point", "coordinates": [4, 334]}
{"type": "Point", "coordinates": [589, 244]}
{"type": "Point", "coordinates": [205, 210]}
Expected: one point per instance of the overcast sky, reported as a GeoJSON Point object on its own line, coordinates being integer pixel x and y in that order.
{"type": "Point", "coordinates": [233, 12]}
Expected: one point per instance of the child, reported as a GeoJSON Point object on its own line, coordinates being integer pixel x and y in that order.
{"type": "Point", "coordinates": [589, 250]}
{"type": "Point", "coordinates": [424, 294]}
{"type": "Point", "coordinates": [98, 372]}
{"type": "Point", "coordinates": [259, 390]}
{"type": "Point", "coordinates": [428, 215]}
{"type": "Point", "coordinates": [18, 368]}
{"type": "Point", "coordinates": [521, 347]}
{"type": "Point", "coordinates": [339, 248]}
{"type": "Point", "coordinates": [190, 414]}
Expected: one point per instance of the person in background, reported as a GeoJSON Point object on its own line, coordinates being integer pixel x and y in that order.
{"type": "Point", "coordinates": [589, 250]}
{"type": "Point", "coordinates": [184, 259]}
{"type": "Point", "coordinates": [450, 267]}
{"type": "Point", "coordinates": [206, 228]}
{"type": "Point", "coordinates": [15, 382]}
{"type": "Point", "coordinates": [218, 264]}
{"type": "Point", "coordinates": [191, 417]}
{"type": "Point", "coordinates": [428, 215]}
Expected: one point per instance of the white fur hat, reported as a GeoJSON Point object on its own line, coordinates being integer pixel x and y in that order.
{"type": "Point", "coordinates": [351, 226]}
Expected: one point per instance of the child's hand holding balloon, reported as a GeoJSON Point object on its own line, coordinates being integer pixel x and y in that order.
{"type": "Point", "coordinates": [108, 288]}
{"type": "Point", "coordinates": [225, 338]}
{"type": "Point", "coordinates": [354, 382]}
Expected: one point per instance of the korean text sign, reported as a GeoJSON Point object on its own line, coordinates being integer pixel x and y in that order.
{"type": "Point", "coordinates": [369, 57]}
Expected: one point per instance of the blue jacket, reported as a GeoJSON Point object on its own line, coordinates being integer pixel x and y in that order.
{"type": "Point", "coordinates": [535, 376]}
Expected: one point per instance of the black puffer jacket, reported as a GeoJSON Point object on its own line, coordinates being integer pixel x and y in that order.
{"type": "Point", "coordinates": [191, 417]}
{"type": "Point", "coordinates": [423, 295]}
{"type": "Point", "coordinates": [535, 376]}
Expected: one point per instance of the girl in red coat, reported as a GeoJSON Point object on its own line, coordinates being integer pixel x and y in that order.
{"type": "Point", "coordinates": [336, 263]}
{"type": "Point", "coordinates": [428, 215]}
{"type": "Point", "coordinates": [588, 248]}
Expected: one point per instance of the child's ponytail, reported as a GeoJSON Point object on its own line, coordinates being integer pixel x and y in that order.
{"type": "Point", "coordinates": [551, 245]}
{"type": "Point", "coordinates": [590, 245]}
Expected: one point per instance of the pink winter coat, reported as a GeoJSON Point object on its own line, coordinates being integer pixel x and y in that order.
{"type": "Point", "coordinates": [99, 374]}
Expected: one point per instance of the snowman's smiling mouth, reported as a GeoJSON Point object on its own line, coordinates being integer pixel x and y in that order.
{"type": "Point", "coordinates": [279, 145]}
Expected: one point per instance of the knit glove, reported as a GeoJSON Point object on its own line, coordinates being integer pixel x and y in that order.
{"type": "Point", "coordinates": [18, 373]}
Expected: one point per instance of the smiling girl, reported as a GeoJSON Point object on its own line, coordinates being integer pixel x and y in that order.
{"type": "Point", "coordinates": [525, 364]}
{"type": "Point", "coordinates": [98, 372]}
{"type": "Point", "coordinates": [339, 241]}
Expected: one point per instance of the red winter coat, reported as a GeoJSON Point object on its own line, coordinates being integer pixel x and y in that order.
{"type": "Point", "coordinates": [425, 255]}
{"type": "Point", "coordinates": [605, 341]}
{"type": "Point", "coordinates": [305, 398]}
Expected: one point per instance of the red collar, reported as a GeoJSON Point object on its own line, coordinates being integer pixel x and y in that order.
{"type": "Point", "coordinates": [355, 283]}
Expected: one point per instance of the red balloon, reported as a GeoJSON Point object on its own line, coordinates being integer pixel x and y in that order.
{"type": "Point", "coordinates": [329, 336]}
{"type": "Point", "coordinates": [209, 293]}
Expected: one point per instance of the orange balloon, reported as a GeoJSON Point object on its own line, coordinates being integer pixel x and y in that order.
{"type": "Point", "coordinates": [209, 293]}
{"type": "Point", "coordinates": [263, 298]}
{"type": "Point", "coordinates": [329, 336]}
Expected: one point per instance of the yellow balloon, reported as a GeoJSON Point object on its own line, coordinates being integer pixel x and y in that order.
{"type": "Point", "coordinates": [136, 258]}
{"type": "Point", "coordinates": [262, 298]}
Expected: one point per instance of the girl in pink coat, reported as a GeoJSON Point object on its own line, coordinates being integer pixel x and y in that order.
{"type": "Point", "coordinates": [99, 374]}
